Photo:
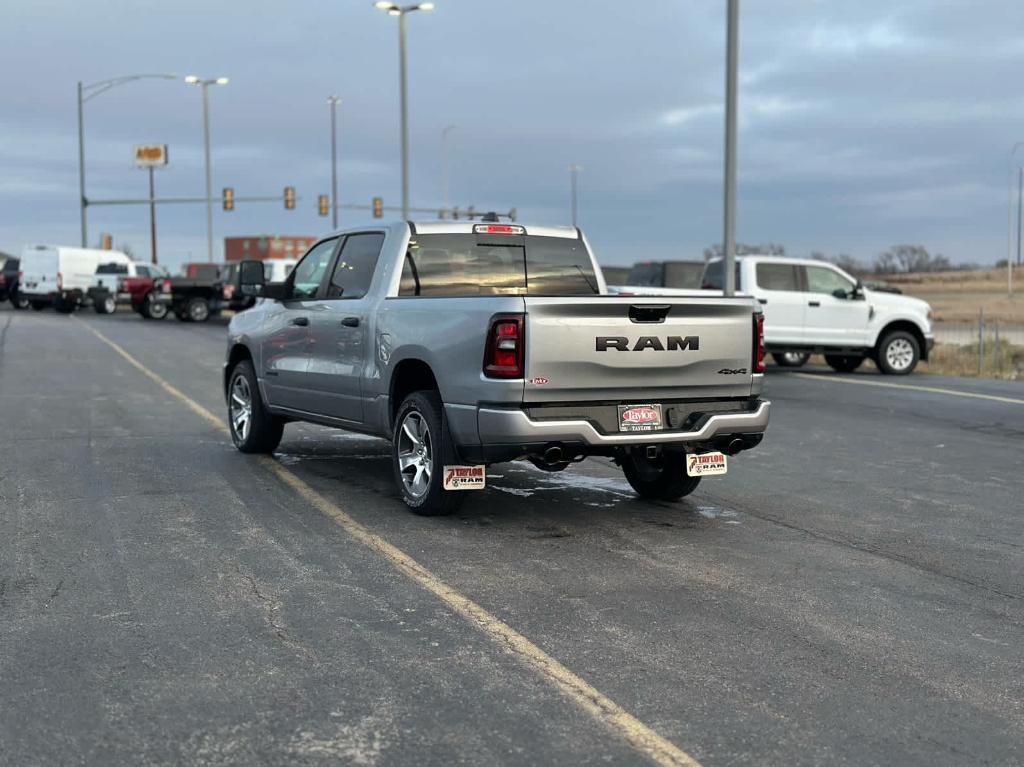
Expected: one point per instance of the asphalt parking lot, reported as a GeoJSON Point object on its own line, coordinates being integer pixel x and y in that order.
{"type": "Point", "coordinates": [851, 593]}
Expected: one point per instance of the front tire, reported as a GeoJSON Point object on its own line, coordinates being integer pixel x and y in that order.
{"type": "Point", "coordinates": [790, 359]}
{"type": "Point", "coordinates": [153, 310]}
{"type": "Point", "coordinates": [107, 305]}
{"type": "Point", "coordinates": [198, 310]}
{"type": "Point", "coordinates": [253, 429]}
{"type": "Point", "coordinates": [421, 445]}
{"type": "Point", "coordinates": [843, 363]}
{"type": "Point", "coordinates": [898, 353]}
{"type": "Point", "coordinates": [37, 306]}
{"type": "Point", "coordinates": [65, 307]}
{"type": "Point", "coordinates": [660, 479]}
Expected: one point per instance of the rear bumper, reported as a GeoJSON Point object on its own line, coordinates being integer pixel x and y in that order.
{"type": "Point", "coordinates": [503, 427]}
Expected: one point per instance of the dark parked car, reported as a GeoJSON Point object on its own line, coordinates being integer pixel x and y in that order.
{"type": "Point", "coordinates": [9, 269]}
{"type": "Point", "coordinates": [666, 274]}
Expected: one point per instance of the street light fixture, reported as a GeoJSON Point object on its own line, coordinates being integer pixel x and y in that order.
{"type": "Point", "coordinates": [334, 101]}
{"type": "Point", "coordinates": [205, 85]}
{"type": "Point", "coordinates": [401, 11]}
{"type": "Point", "coordinates": [86, 93]}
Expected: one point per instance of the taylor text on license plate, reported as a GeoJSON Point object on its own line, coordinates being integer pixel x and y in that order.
{"type": "Point", "coordinates": [706, 464]}
{"type": "Point", "coordinates": [639, 417]}
{"type": "Point", "coordinates": [464, 477]}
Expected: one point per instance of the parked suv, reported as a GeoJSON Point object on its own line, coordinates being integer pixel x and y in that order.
{"type": "Point", "coordinates": [471, 344]}
{"type": "Point", "coordinates": [813, 307]}
{"type": "Point", "coordinates": [9, 274]}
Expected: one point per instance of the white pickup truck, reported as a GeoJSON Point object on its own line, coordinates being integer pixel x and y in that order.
{"type": "Point", "coordinates": [813, 307]}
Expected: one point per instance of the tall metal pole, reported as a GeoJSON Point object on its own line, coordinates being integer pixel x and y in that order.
{"type": "Point", "coordinates": [574, 185]}
{"type": "Point", "coordinates": [209, 179]}
{"type": "Point", "coordinates": [731, 66]}
{"type": "Point", "coordinates": [152, 216]}
{"type": "Point", "coordinates": [445, 174]}
{"type": "Point", "coordinates": [333, 101]}
{"type": "Point", "coordinates": [405, 117]}
{"type": "Point", "coordinates": [1020, 202]}
{"type": "Point", "coordinates": [81, 168]}
{"type": "Point", "coordinates": [1009, 221]}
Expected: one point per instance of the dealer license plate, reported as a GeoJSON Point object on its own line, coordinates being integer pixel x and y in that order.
{"type": "Point", "coordinates": [640, 417]}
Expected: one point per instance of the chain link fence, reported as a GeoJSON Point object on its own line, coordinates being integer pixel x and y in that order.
{"type": "Point", "coordinates": [985, 348]}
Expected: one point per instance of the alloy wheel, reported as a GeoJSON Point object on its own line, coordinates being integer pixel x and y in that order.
{"type": "Point", "coordinates": [899, 354]}
{"type": "Point", "coordinates": [415, 454]}
{"type": "Point", "coordinates": [241, 408]}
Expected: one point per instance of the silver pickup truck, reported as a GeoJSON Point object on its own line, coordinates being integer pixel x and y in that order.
{"type": "Point", "coordinates": [468, 344]}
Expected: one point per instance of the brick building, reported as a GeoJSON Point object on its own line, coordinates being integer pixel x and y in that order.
{"type": "Point", "coordinates": [263, 247]}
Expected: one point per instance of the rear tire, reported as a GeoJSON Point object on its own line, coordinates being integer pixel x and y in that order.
{"type": "Point", "coordinates": [65, 307]}
{"type": "Point", "coordinates": [420, 439]}
{"type": "Point", "coordinates": [661, 479]}
{"type": "Point", "coordinates": [790, 359]}
{"type": "Point", "coordinates": [198, 310]}
{"type": "Point", "coordinates": [106, 305]}
{"type": "Point", "coordinates": [253, 429]}
{"type": "Point", "coordinates": [898, 353]}
{"type": "Point", "coordinates": [37, 305]}
{"type": "Point", "coordinates": [844, 363]}
{"type": "Point", "coordinates": [19, 302]}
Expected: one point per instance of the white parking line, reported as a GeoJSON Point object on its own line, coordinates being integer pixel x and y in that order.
{"type": "Point", "coordinates": [911, 387]}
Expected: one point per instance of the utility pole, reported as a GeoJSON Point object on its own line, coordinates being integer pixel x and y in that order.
{"type": "Point", "coordinates": [1020, 202]}
{"type": "Point", "coordinates": [152, 216]}
{"type": "Point", "coordinates": [731, 66]}
{"type": "Point", "coordinates": [81, 168]}
{"type": "Point", "coordinates": [574, 171]}
{"type": "Point", "coordinates": [445, 175]}
{"type": "Point", "coordinates": [334, 101]}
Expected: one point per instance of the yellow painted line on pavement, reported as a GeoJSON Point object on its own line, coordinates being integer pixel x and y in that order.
{"type": "Point", "coordinates": [606, 711]}
{"type": "Point", "coordinates": [910, 387]}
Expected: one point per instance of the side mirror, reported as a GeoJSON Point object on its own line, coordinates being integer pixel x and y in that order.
{"type": "Point", "coordinates": [840, 293]}
{"type": "Point", "coordinates": [251, 280]}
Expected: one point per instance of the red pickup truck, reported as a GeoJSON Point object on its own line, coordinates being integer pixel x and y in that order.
{"type": "Point", "coordinates": [145, 287]}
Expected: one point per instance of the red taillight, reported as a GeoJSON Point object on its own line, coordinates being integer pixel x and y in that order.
{"type": "Point", "coordinates": [503, 356]}
{"type": "Point", "coordinates": [498, 229]}
{"type": "Point", "coordinates": [166, 288]}
{"type": "Point", "coordinates": [3, 279]}
{"type": "Point", "coordinates": [228, 291]}
{"type": "Point", "coordinates": [60, 281]}
{"type": "Point", "coordinates": [758, 343]}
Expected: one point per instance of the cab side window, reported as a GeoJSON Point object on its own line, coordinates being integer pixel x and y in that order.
{"type": "Point", "coordinates": [778, 277]}
{"type": "Point", "coordinates": [309, 272]}
{"type": "Point", "coordinates": [821, 279]}
{"type": "Point", "coordinates": [356, 263]}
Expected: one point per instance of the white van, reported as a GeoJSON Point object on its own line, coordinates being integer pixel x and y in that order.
{"type": "Point", "coordinates": [59, 276]}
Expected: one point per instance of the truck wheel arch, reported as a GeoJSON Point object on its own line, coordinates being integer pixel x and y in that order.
{"type": "Point", "coordinates": [409, 375]}
{"type": "Point", "coordinates": [239, 352]}
{"type": "Point", "coordinates": [910, 327]}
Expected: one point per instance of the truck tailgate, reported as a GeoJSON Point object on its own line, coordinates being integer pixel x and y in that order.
{"type": "Point", "coordinates": [638, 349]}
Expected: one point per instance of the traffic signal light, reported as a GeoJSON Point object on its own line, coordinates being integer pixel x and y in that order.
{"type": "Point", "coordinates": [228, 198]}
{"type": "Point", "coordinates": [323, 205]}
{"type": "Point", "coordinates": [107, 242]}
{"type": "Point", "coordinates": [378, 207]}
{"type": "Point", "coordinates": [289, 198]}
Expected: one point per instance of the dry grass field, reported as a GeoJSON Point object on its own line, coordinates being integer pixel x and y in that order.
{"type": "Point", "coordinates": [958, 296]}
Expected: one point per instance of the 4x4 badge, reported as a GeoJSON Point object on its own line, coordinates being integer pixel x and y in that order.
{"type": "Point", "coordinates": [731, 372]}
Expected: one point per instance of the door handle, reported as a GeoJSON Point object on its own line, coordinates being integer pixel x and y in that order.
{"type": "Point", "coordinates": [762, 300]}
{"type": "Point", "coordinates": [814, 303]}
{"type": "Point", "coordinates": [300, 321]}
{"type": "Point", "coordinates": [350, 322]}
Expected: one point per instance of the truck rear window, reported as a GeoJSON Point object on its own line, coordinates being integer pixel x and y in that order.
{"type": "Point", "coordinates": [454, 265]}
{"type": "Point", "coordinates": [714, 276]}
{"type": "Point", "coordinates": [112, 269]}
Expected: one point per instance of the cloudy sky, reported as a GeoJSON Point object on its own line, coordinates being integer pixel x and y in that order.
{"type": "Point", "coordinates": [862, 124]}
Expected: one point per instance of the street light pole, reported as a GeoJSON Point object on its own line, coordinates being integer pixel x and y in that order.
{"type": "Point", "coordinates": [1009, 225]}
{"type": "Point", "coordinates": [205, 86]}
{"type": "Point", "coordinates": [731, 66]}
{"type": "Point", "coordinates": [401, 11]}
{"type": "Point", "coordinates": [334, 101]}
{"type": "Point", "coordinates": [1020, 204]}
{"type": "Point", "coordinates": [445, 175]}
{"type": "Point", "coordinates": [574, 171]}
{"type": "Point", "coordinates": [86, 92]}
